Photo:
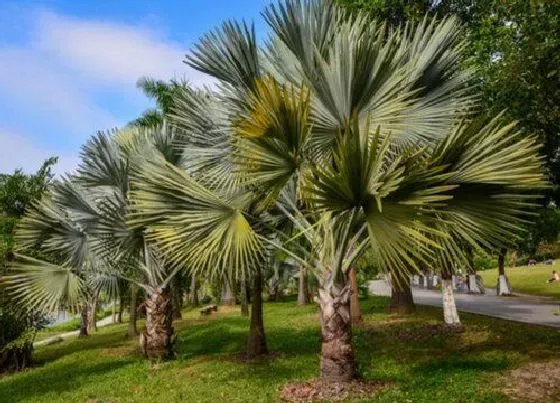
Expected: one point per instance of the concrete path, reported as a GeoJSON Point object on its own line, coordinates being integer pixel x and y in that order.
{"type": "Point", "coordinates": [512, 308]}
{"type": "Point", "coordinates": [62, 336]}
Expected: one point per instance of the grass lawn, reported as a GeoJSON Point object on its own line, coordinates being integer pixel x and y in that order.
{"type": "Point", "coordinates": [421, 365]}
{"type": "Point", "coordinates": [526, 279]}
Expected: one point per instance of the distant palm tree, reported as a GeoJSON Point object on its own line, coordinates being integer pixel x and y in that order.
{"type": "Point", "coordinates": [162, 93]}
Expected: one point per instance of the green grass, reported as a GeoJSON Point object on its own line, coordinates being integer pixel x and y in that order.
{"type": "Point", "coordinates": [428, 368]}
{"type": "Point", "coordinates": [526, 279]}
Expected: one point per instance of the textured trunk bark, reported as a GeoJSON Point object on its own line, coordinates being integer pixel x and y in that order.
{"type": "Point", "coordinates": [92, 315]}
{"type": "Point", "coordinates": [256, 346]}
{"type": "Point", "coordinates": [337, 355]}
{"type": "Point", "coordinates": [132, 332]}
{"type": "Point", "coordinates": [193, 295]}
{"type": "Point", "coordinates": [355, 311]}
{"type": "Point", "coordinates": [177, 296]}
{"type": "Point", "coordinates": [157, 340]}
{"type": "Point", "coordinates": [84, 321]}
{"type": "Point", "coordinates": [502, 288]}
{"type": "Point", "coordinates": [401, 296]}
{"type": "Point", "coordinates": [302, 298]}
{"type": "Point", "coordinates": [450, 315]}
{"type": "Point", "coordinates": [244, 299]}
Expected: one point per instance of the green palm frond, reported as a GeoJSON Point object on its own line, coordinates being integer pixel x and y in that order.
{"type": "Point", "coordinates": [306, 28]}
{"type": "Point", "coordinates": [229, 54]}
{"type": "Point", "coordinates": [191, 224]}
{"type": "Point", "coordinates": [39, 285]}
{"type": "Point", "coordinates": [271, 138]}
{"type": "Point", "coordinates": [58, 224]}
{"type": "Point", "coordinates": [204, 136]}
{"type": "Point", "coordinates": [103, 163]}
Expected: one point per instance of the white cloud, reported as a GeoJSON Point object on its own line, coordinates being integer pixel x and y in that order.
{"type": "Point", "coordinates": [112, 52]}
{"type": "Point", "coordinates": [19, 152]}
{"type": "Point", "coordinates": [62, 77]}
{"type": "Point", "coordinates": [45, 87]}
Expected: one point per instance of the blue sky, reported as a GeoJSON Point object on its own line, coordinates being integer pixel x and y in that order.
{"type": "Point", "coordinates": [68, 68]}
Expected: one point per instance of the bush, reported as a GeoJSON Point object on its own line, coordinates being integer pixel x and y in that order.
{"type": "Point", "coordinates": [17, 333]}
{"type": "Point", "coordinates": [484, 262]}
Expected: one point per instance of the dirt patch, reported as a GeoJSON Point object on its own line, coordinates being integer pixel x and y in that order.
{"type": "Point", "coordinates": [535, 382]}
{"type": "Point", "coordinates": [317, 390]}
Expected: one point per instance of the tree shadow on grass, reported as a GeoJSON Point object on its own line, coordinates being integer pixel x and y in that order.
{"type": "Point", "coordinates": [31, 385]}
{"type": "Point", "coordinates": [228, 335]}
{"type": "Point", "coordinates": [95, 341]}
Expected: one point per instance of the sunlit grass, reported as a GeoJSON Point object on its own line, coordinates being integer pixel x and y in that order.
{"type": "Point", "coordinates": [421, 366]}
{"type": "Point", "coordinates": [527, 279]}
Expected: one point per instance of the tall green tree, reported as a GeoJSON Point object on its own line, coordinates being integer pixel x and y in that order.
{"type": "Point", "coordinates": [17, 192]}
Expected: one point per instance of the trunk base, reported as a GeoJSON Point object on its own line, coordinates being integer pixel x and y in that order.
{"type": "Point", "coordinates": [502, 287]}
{"type": "Point", "coordinates": [402, 302]}
{"type": "Point", "coordinates": [157, 340]}
{"type": "Point", "coordinates": [256, 345]}
{"type": "Point", "coordinates": [337, 355]}
{"type": "Point", "coordinates": [450, 315]}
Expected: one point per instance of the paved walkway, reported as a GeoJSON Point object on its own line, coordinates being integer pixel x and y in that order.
{"type": "Point", "coordinates": [512, 308]}
{"type": "Point", "coordinates": [103, 322]}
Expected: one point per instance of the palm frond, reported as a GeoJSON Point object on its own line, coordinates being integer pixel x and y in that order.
{"type": "Point", "coordinates": [229, 54]}
{"type": "Point", "coordinates": [192, 225]}
{"type": "Point", "coordinates": [39, 285]}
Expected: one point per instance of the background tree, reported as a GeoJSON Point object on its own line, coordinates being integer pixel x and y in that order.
{"type": "Point", "coordinates": [17, 191]}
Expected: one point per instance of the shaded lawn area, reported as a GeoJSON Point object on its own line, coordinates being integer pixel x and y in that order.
{"type": "Point", "coordinates": [526, 279]}
{"type": "Point", "coordinates": [421, 364]}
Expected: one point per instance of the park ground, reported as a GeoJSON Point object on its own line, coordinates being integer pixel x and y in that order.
{"type": "Point", "coordinates": [530, 280]}
{"type": "Point", "coordinates": [413, 358]}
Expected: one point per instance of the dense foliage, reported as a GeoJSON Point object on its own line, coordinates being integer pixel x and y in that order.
{"type": "Point", "coordinates": [17, 191]}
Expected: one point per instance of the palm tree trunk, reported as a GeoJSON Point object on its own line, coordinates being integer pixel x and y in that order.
{"type": "Point", "coordinates": [177, 296]}
{"type": "Point", "coordinates": [132, 331]}
{"type": "Point", "coordinates": [355, 311]}
{"type": "Point", "coordinates": [256, 346]}
{"type": "Point", "coordinates": [302, 298]}
{"type": "Point", "coordinates": [450, 315]}
{"type": "Point", "coordinates": [337, 355]}
{"type": "Point", "coordinates": [84, 321]}
{"type": "Point", "coordinates": [244, 299]}
{"type": "Point", "coordinates": [120, 311]}
{"type": "Point", "coordinates": [157, 340]}
{"type": "Point", "coordinates": [193, 294]}
{"type": "Point", "coordinates": [402, 301]}
{"type": "Point", "coordinates": [227, 296]}
{"type": "Point", "coordinates": [473, 284]}
{"type": "Point", "coordinates": [502, 287]}
{"type": "Point", "coordinates": [92, 315]}
{"type": "Point", "coordinates": [114, 312]}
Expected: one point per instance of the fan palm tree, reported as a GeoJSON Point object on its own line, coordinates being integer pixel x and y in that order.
{"type": "Point", "coordinates": [58, 225]}
{"type": "Point", "coordinates": [86, 220]}
{"type": "Point", "coordinates": [365, 126]}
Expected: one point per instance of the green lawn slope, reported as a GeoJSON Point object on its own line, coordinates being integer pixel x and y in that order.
{"type": "Point", "coordinates": [527, 279]}
{"type": "Point", "coordinates": [419, 362]}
